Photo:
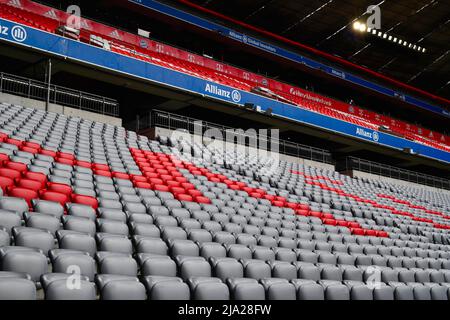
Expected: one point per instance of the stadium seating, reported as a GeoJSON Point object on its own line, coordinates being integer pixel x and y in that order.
{"type": "Point", "coordinates": [242, 80]}
{"type": "Point", "coordinates": [141, 219]}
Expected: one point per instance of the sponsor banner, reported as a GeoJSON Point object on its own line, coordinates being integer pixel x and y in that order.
{"type": "Point", "coordinates": [79, 51]}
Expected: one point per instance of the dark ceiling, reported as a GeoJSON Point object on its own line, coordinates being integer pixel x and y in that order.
{"type": "Point", "coordinates": [327, 25]}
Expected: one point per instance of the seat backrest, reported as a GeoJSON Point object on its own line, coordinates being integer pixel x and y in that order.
{"type": "Point", "coordinates": [229, 268]}
{"type": "Point", "coordinates": [121, 265]}
{"type": "Point", "coordinates": [123, 290]}
{"type": "Point", "coordinates": [17, 289]}
{"type": "Point", "coordinates": [310, 291]}
{"type": "Point", "coordinates": [25, 261]}
{"type": "Point", "coordinates": [58, 290]}
{"type": "Point", "coordinates": [48, 207]}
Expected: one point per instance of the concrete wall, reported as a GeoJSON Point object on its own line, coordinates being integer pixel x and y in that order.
{"type": "Point", "coordinates": [360, 174]}
{"type": "Point", "coordinates": [167, 132]}
{"type": "Point", "coordinates": [68, 111]}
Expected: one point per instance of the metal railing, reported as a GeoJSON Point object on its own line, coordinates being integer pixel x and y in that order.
{"type": "Point", "coordinates": [38, 90]}
{"type": "Point", "coordinates": [162, 119]}
{"type": "Point", "coordinates": [352, 163]}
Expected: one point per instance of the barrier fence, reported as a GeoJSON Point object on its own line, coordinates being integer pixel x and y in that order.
{"type": "Point", "coordinates": [38, 90]}
{"type": "Point", "coordinates": [352, 163]}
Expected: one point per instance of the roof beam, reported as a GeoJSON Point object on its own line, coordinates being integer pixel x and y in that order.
{"type": "Point", "coordinates": [306, 17]}
{"type": "Point", "coordinates": [432, 2]}
{"type": "Point", "coordinates": [345, 26]}
{"type": "Point", "coordinates": [259, 9]}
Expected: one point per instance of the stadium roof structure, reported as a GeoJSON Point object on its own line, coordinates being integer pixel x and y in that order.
{"type": "Point", "coordinates": [327, 25]}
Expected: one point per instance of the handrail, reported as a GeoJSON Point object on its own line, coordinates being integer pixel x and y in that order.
{"type": "Point", "coordinates": [38, 90]}
{"type": "Point", "coordinates": [323, 54]}
{"type": "Point", "coordinates": [163, 119]}
{"type": "Point", "coordinates": [353, 163]}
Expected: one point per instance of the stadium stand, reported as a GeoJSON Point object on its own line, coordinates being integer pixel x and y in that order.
{"type": "Point", "coordinates": [51, 20]}
{"type": "Point", "coordinates": [144, 219]}
{"type": "Point", "coordinates": [157, 208]}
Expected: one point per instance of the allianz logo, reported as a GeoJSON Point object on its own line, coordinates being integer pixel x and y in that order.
{"type": "Point", "coordinates": [234, 95]}
{"type": "Point", "coordinates": [338, 73]}
{"type": "Point", "coordinates": [368, 134]}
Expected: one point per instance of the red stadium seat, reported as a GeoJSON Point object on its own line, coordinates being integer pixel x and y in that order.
{"type": "Point", "coordinates": [48, 153]}
{"type": "Point", "coordinates": [32, 145]}
{"type": "Point", "coordinates": [103, 173]}
{"type": "Point", "coordinates": [256, 195]}
{"type": "Point", "coordinates": [6, 182]}
{"type": "Point", "coordinates": [42, 178]}
{"type": "Point", "coordinates": [161, 187]}
{"type": "Point", "coordinates": [202, 200]}
{"type": "Point", "coordinates": [18, 166]}
{"type": "Point", "coordinates": [69, 162]}
{"type": "Point", "coordinates": [29, 184]}
{"type": "Point", "coordinates": [302, 212]}
{"type": "Point", "coordinates": [369, 232]}
{"type": "Point", "coordinates": [3, 157]}
{"type": "Point", "coordinates": [29, 150]}
{"type": "Point", "coordinates": [60, 188]}
{"type": "Point", "coordinates": [10, 173]}
{"type": "Point", "coordinates": [357, 231]}
{"type": "Point", "coordinates": [181, 179]}
{"type": "Point", "coordinates": [54, 196]}
{"type": "Point", "coordinates": [172, 183]}
{"type": "Point", "coordinates": [151, 175]}
{"type": "Point", "coordinates": [139, 179]}
{"type": "Point", "coordinates": [121, 175]}
{"type": "Point", "coordinates": [143, 185]}
{"type": "Point", "coordinates": [83, 164]}
{"type": "Point", "coordinates": [155, 181]}
{"type": "Point", "coordinates": [98, 166]}
{"type": "Point", "coordinates": [184, 197]}
{"type": "Point", "coordinates": [26, 194]}
{"type": "Point", "coordinates": [330, 222]}
{"type": "Point", "coordinates": [86, 200]}
{"type": "Point", "coordinates": [316, 214]}
{"type": "Point", "coordinates": [187, 185]}
{"type": "Point", "coordinates": [177, 190]}
{"type": "Point", "coordinates": [194, 193]}
{"type": "Point", "coordinates": [14, 142]}
{"type": "Point", "coordinates": [64, 155]}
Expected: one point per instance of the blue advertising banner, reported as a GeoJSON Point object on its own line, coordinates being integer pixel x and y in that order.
{"type": "Point", "coordinates": [98, 57]}
{"type": "Point", "coordinates": [248, 40]}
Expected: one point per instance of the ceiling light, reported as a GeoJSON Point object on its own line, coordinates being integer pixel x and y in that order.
{"type": "Point", "coordinates": [400, 41]}
{"type": "Point", "coordinates": [356, 25]}
{"type": "Point", "coordinates": [369, 29]}
{"type": "Point", "coordinates": [414, 47]}
{"type": "Point", "coordinates": [395, 39]}
{"type": "Point", "coordinates": [390, 38]}
{"type": "Point", "coordinates": [384, 36]}
{"type": "Point", "coordinates": [405, 43]}
{"type": "Point", "coordinates": [423, 50]}
{"type": "Point", "coordinates": [419, 48]}
{"type": "Point", "coordinates": [380, 34]}
{"type": "Point", "coordinates": [362, 27]}
{"type": "Point", "coordinates": [374, 31]}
